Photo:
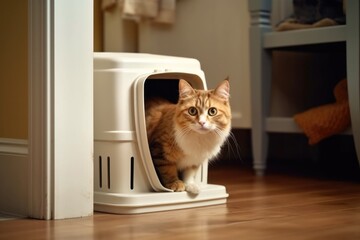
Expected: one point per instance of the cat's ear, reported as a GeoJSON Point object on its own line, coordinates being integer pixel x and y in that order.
{"type": "Point", "coordinates": [223, 90]}
{"type": "Point", "coordinates": [185, 89]}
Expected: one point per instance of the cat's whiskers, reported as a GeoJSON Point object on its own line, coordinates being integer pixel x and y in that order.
{"type": "Point", "coordinates": [235, 150]}
{"type": "Point", "coordinates": [220, 132]}
{"type": "Point", "coordinates": [230, 138]}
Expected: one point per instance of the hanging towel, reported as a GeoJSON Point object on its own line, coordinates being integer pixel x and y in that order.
{"type": "Point", "coordinates": [141, 8]}
{"type": "Point", "coordinates": [159, 11]}
{"type": "Point", "coordinates": [108, 4]}
{"type": "Point", "coordinates": [166, 12]}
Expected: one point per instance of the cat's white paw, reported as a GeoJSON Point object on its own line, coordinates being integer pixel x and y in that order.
{"type": "Point", "coordinates": [192, 188]}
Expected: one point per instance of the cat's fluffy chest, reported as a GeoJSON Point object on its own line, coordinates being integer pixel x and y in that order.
{"type": "Point", "coordinates": [198, 147]}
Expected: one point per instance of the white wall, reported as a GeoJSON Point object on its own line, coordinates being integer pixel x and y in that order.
{"type": "Point", "coordinates": [73, 108]}
{"type": "Point", "coordinates": [50, 175]}
{"type": "Point", "coordinates": [61, 109]}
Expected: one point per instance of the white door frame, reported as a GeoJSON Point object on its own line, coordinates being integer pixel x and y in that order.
{"type": "Point", "coordinates": [60, 108]}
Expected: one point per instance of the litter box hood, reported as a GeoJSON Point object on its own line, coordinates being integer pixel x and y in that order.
{"type": "Point", "coordinates": [114, 78]}
{"type": "Point", "coordinates": [144, 61]}
{"type": "Point", "coordinates": [125, 180]}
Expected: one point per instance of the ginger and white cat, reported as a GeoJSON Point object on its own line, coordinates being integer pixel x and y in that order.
{"type": "Point", "coordinates": [184, 135]}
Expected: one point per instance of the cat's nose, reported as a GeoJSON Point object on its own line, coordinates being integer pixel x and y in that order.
{"type": "Point", "coordinates": [202, 123]}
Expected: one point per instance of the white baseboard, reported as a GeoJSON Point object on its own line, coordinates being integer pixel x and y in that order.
{"type": "Point", "coordinates": [14, 146]}
{"type": "Point", "coordinates": [13, 177]}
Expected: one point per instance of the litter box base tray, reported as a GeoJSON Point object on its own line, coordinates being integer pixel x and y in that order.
{"type": "Point", "coordinates": [158, 201]}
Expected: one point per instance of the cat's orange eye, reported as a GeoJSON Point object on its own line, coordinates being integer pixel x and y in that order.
{"type": "Point", "coordinates": [212, 111]}
{"type": "Point", "coordinates": [192, 111]}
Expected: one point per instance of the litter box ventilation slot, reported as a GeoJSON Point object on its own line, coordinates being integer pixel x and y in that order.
{"type": "Point", "coordinates": [132, 165]}
{"type": "Point", "coordinates": [100, 172]}
{"type": "Point", "coordinates": [108, 172]}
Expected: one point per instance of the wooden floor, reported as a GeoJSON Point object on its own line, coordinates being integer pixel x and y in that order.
{"type": "Point", "coordinates": [277, 206]}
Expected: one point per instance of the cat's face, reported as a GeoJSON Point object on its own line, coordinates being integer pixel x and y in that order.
{"type": "Point", "coordinates": [204, 111]}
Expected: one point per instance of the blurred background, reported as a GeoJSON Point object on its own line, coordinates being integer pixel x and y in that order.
{"type": "Point", "coordinates": [217, 34]}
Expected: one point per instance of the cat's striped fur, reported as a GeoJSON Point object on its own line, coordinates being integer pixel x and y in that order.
{"type": "Point", "coordinates": [184, 135]}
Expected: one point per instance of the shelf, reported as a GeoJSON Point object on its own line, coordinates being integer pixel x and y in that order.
{"type": "Point", "coordinates": [305, 37]}
{"type": "Point", "coordinates": [287, 125]}
{"type": "Point", "coordinates": [281, 125]}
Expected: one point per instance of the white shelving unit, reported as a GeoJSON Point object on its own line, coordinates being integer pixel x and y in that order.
{"type": "Point", "coordinates": [304, 37]}
{"type": "Point", "coordinates": [263, 40]}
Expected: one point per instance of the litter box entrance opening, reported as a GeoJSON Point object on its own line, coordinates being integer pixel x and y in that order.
{"type": "Point", "coordinates": [162, 88]}
{"type": "Point", "coordinates": [165, 85]}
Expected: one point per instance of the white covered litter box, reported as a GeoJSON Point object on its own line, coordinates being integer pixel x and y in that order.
{"type": "Point", "coordinates": [125, 179]}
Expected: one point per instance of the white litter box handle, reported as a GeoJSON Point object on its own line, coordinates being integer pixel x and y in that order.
{"type": "Point", "coordinates": [141, 133]}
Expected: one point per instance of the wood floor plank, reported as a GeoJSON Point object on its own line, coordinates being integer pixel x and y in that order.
{"type": "Point", "coordinates": [277, 206]}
